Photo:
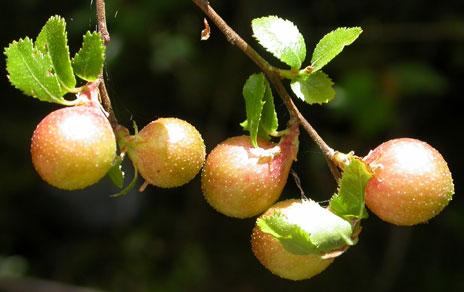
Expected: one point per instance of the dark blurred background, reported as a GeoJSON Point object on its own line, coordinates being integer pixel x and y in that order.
{"type": "Point", "coordinates": [402, 78]}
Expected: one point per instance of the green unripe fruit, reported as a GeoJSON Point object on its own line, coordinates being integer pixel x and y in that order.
{"type": "Point", "coordinates": [241, 181]}
{"type": "Point", "coordinates": [272, 255]}
{"type": "Point", "coordinates": [168, 152]}
{"type": "Point", "coordinates": [73, 147]}
{"type": "Point", "coordinates": [411, 184]}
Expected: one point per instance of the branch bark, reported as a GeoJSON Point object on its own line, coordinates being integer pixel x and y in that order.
{"type": "Point", "coordinates": [274, 76]}
{"type": "Point", "coordinates": [105, 99]}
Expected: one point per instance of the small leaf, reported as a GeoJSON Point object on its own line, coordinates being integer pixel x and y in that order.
{"type": "Point", "coordinates": [349, 202]}
{"type": "Point", "coordinates": [116, 174]}
{"type": "Point", "coordinates": [261, 114]}
{"type": "Point", "coordinates": [291, 236]}
{"type": "Point", "coordinates": [52, 40]}
{"type": "Point", "coordinates": [88, 62]}
{"type": "Point", "coordinates": [129, 187]}
{"type": "Point", "coordinates": [31, 71]}
{"type": "Point", "coordinates": [332, 44]}
{"type": "Point", "coordinates": [269, 122]}
{"type": "Point", "coordinates": [307, 228]}
{"type": "Point", "coordinates": [281, 38]}
{"type": "Point", "coordinates": [315, 88]}
{"type": "Point", "coordinates": [253, 92]}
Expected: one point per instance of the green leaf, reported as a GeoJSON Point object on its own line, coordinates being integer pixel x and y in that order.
{"type": "Point", "coordinates": [52, 40]}
{"type": "Point", "coordinates": [269, 122]}
{"type": "Point", "coordinates": [315, 88]}
{"type": "Point", "coordinates": [116, 174]}
{"type": "Point", "coordinates": [349, 202]}
{"type": "Point", "coordinates": [260, 109]}
{"type": "Point", "coordinates": [32, 72]}
{"type": "Point", "coordinates": [291, 236]}
{"type": "Point", "coordinates": [332, 44]}
{"type": "Point", "coordinates": [129, 187]}
{"type": "Point", "coordinates": [253, 92]}
{"type": "Point", "coordinates": [281, 38]}
{"type": "Point", "coordinates": [307, 228]}
{"type": "Point", "coordinates": [88, 62]}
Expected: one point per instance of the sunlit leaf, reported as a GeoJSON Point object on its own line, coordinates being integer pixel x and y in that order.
{"type": "Point", "coordinates": [332, 44]}
{"type": "Point", "coordinates": [281, 38]}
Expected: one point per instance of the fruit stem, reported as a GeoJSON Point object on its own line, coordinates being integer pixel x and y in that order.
{"type": "Point", "coordinates": [103, 30]}
{"type": "Point", "coordinates": [275, 77]}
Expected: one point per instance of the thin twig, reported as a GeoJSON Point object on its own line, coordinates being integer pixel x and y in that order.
{"type": "Point", "coordinates": [102, 28]}
{"type": "Point", "coordinates": [101, 21]}
{"type": "Point", "coordinates": [274, 76]}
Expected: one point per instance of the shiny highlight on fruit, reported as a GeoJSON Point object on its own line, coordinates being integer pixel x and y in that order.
{"type": "Point", "coordinates": [411, 184]}
{"type": "Point", "coordinates": [274, 257]}
{"type": "Point", "coordinates": [168, 152]}
{"type": "Point", "coordinates": [239, 180]}
{"type": "Point", "coordinates": [73, 148]}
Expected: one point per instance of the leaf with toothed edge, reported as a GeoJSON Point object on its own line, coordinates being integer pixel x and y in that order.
{"type": "Point", "coordinates": [260, 109]}
{"type": "Point", "coordinates": [88, 62]}
{"type": "Point", "coordinates": [332, 44]}
{"type": "Point", "coordinates": [52, 40]}
{"type": "Point", "coordinates": [315, 88]}
{"type": "Point", "coordinates": [253, 92]}
{"type": "Point", "coordinates": [292, 237]}
{"type": "Point", "coordinates": [307, 228]}
{"type": "Point", "coordinates": [31, 71]}
{"type": "Point", "coordinates": [349, 203]}
{"type": "Point", "coordinates": [269, 122]}
{"type": "Point", "coordinates": [281, 38]}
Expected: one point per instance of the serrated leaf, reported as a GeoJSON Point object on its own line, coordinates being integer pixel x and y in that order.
{"type": "Point", "coordinates": [307, 228]}
{"type": "Point", "coordinates": [281, 38]}
{"type": "Point", "coordinates": [116, 174]}
{"type": "Point", "coordinates": [253, 92]}
{"type": "Point", "coordinates": [259, 103]}
{"type": "Point", "coordinates": [332, 44]}
{"type": "Point", "coordinates": [52, 40]}
{"type": "Point", "coordinates": [315, 88]}
{"type": "Point", "coordinates": [291, 236]}
{"type": "Point", "coordinates": [349, 201]}
{"type": "Point", "coordinates": [269, 121]}
{"type": "Point", "coordinates": [88, 62]}
{"type": "Point", "coordinates": [32, 72]}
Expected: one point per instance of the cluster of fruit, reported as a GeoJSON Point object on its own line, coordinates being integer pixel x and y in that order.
{"type": "Point", "coordinates": [403, 181]}
{"type": "Point", "coordinates": [410, 184]}
{"type": "Point", "coordinates": [74, 147]}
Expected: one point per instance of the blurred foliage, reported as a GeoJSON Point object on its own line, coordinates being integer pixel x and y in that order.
{"type": "Point", "coordinates": [401, 78]}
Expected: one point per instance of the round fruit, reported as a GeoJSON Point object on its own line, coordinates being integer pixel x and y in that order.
{"type": "Point", "coordinates": [241, 181]}
{"type": "Point", "coordinates": [411, 183]}
{"type": "Point", "coordinates": [73, 147]}
{"type": "Point", "coordinates": [272, 255]}
{"type": "Point", "coordinates": [167, 152]}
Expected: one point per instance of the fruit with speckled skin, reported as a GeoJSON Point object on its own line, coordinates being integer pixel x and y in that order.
{"type": "Point", "coordinates": [272, 255]}
{"type": "Point", "coordinates": [73, 147]}
{"type": "Point", "coordinates": [411, 184]}
{"type": "Point", "coordinates": [241, 181]}
{"type": "Point", "coordinates": [168, 152]}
